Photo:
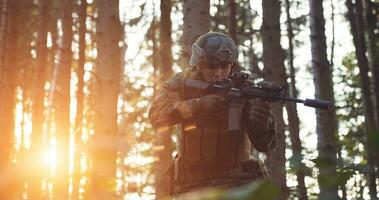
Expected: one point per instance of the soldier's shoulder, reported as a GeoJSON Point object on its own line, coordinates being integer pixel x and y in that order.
{"type": "Point", "coordinates": [175, 81]}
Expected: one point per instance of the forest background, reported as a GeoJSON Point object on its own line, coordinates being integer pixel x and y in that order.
{"type": "Point", "coordinates": [76, 79]}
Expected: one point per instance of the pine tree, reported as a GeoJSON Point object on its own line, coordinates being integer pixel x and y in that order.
{"type": "Point", "coordinates": [196, 21]}
{"type": "Point", "coordinates": [82, 10]}
{"type": "Point", "coordinates": [9, 73]}
{"type": "Point", "coordinates": [106, 91]}
{"type": "Point", "coordinates": [372, 27]}
{"type": "Point", "coordinates": [232, 20]}
{"type": "Point", "coordinates": [293, 118]}
{"type": "Point", "coordinates": [4, 10]}
{"type": "Point", "coordinates": [326, 119]}
{"type": "Point", "coordinates": [38, 95]}
{"type": "Point", "coordinates": [274, 71]}
{"type": "Point", "coordinates": [62, 98]}
{"type": "Point", "coordinates": [163, 138]}
{"type": "Point", "coordinates": [355, 16]}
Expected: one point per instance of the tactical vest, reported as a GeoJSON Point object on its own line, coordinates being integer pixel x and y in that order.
{"type": "Point", "coordinates": [207, 150]}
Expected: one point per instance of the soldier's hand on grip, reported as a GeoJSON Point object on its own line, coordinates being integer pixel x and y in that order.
{"type": "Point", "coordinates": [259, 112]}
{"type": "Point", "coordinates": [211, 104]}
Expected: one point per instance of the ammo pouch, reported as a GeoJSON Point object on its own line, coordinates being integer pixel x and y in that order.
{"type": "Point", "coordinates": [184, 173]}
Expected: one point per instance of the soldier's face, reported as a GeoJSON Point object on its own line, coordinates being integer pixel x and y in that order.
{"type": "Point", "coordinates": [212, 72]}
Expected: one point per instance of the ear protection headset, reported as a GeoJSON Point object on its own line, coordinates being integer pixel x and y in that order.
{"type": "Point", "coordinates": [214, 47]}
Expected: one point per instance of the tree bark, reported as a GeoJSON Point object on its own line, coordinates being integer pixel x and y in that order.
{"type": "Point", "coordinates": [62, 98]}
{"type": "Point", "coordinates": [82, 10]}
{"type": "Point", "coordinates": [340, 165]}
{"type": "Point", "coordinates": [9, 72]}
{"type": "Point", "coordinates": [232, 20]}
{"type": "Point", "coordinates": [38, 97]}
{"type": "Point", "coordinates": [165, 41]}
{"type": "Point", "coordinates": [196, 21]}
{"type": "Point", "coordinates": [163, 138]}
{"type": "Point", "coordinates": [293, 118]}
{"type": "Point", "coordinates": [326, 119]}
{"type": "Point", "coordinates": [4, 10]}
{"type": "Point", "coordinates": [154, 38]}
{"type": "Point", "coordinates": [355, 16]}
{"type": "Point", "coordinates": [371, 12]}
{"type": "Point", "coordinates": [274, 71]}
{"type": "Point", "coordinates": [106, 91]}
{"type": "Point", "coordinates": [332, 46]}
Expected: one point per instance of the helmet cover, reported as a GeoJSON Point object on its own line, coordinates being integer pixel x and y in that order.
{"type": "Point", "coordinates": [214, 48]}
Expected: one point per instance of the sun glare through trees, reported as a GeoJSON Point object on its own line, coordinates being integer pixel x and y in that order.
{"type": "Point", "coordinates": [77, 79]}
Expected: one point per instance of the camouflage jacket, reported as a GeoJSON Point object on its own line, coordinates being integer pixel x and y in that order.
{"type": "Point", "coordinates": [208, 155]}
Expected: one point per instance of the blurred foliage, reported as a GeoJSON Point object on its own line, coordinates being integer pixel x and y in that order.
{"type": "Point", "coordinates": [296, 164]}
{"type": "Point", "coordinates": [349, 108]}
{"type": "Point", "coordinates": [257, 190]}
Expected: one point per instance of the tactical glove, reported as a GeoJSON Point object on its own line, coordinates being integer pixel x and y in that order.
{"type": "Point", "coordinates": [259, 113]}
{"type": "Point", "coordinates": [211, 104]}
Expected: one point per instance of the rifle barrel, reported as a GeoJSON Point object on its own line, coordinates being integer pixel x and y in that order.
{"type": "Point", "coordinates": [260, 93]}
{"type": "Point", "coordinates": [294, 99]}
{"type": "Point", "coordinates": [315, 103]}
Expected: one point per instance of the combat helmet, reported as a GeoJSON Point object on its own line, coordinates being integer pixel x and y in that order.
{"type": "Point", "coordinates": [214, 48]}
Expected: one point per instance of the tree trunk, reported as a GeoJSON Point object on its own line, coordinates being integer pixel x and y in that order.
{"type": "Point", "coordinates": [4, 18]}
{"type": "Point", "coordinates": [326, 119]}
{"type": "Point", "coordinates": [38, 97]}
{"type": "Point", "coordinates": [165, 41]}
{"type": "Point", "coordinates": [155, 56]}
{"type": "Point", "coordinates": [293, 90]}
{"type": "Point", "coordinates": [340, 166]}
{"type": "Point", "coordinates": [293, 118]}
{"type": "Point", "coordinates": [274, 71]}
{"type": "Point", "coordinates": [4, 10]}
{"type": "Point", "coordinates": [9, 72]}
{"type": "Point", "coordinates": [232, 20]}
{"type": "Point", "coordinates": [107, 83]}
{"type": "Point", "coordinates": [163, 138]}
{"type": "Point", "coordinates": [332, 46]}
{"type": "Point", "coordinates": [82, 9]}
{"type": "Point", "coordinates": [355, 17]}
{"type": "Point", "coordinates": [196, 21]}
{"type": "Point", "coordinates": [62, 99]}
{"type": "Point", "coordinates": [372, 20]}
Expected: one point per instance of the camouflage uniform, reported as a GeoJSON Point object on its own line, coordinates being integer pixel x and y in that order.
{"type": "Point", "coordinates": [207, 154]}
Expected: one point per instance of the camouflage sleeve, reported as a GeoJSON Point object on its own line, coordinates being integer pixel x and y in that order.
{"type": "Point", "coordinates": [262, 138]}
{"type": "Point", "coordinates": [167, 107]}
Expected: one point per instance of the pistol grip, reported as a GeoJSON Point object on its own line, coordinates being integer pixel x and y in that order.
{"type": "Point", "coordinates": [235, 117]}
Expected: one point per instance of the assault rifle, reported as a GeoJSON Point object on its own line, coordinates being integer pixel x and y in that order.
{"type": "Point", "coordinates": [237, 90]}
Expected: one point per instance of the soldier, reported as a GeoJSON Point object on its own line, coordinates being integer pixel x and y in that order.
{"type": "Point", "coordinates": [208, 155]}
